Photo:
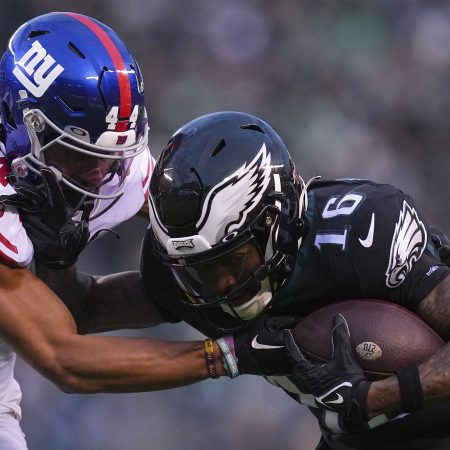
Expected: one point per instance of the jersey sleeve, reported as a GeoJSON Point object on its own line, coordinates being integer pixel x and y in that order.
{"type": "Point", "coordinates": [16, 248]}
{"type": "Point", "coordinates": [425, 275]}
{"type": "Point", "coordinates": [406, 264]}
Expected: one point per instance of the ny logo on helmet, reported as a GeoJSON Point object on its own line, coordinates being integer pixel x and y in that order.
{"type": "Point", "coordinates": [36, 62]}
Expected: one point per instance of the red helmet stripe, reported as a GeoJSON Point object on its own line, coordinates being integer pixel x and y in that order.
{"type": "Point", "coordinates": [119, 65]}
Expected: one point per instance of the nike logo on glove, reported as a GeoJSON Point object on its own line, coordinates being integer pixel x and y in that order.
{"type": "Point", "coordinates": [332, 397]}
{"type": "Point", "coordinates": [336, 401]}
{"type": "Point", "coordinates": [368, 241]}
{"type": "Point", "coordinates": [257, 346]}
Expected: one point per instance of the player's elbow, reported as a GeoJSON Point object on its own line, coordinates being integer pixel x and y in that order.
{"type": "Point", "coordinates": [67, 385]}
{"type": "Point", "coordinates": [69, 382]}
{"type": "Point", "coordinates": [68, 377]}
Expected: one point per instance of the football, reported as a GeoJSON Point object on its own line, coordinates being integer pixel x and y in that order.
{"type": "Point", "coordinates": [384, 336]}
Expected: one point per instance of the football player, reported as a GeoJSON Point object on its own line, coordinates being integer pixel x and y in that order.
{"type": "Point", "coordinates": [74, 161]}
{"type": "Point", "coordinates": [241, 236]}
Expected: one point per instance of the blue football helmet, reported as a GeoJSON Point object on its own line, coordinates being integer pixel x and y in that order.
{"type": "Point", "coordinates": [72, 99]}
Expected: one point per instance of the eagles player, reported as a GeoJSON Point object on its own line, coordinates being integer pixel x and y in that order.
{"type": "Point", "coordinates": [241, 236]}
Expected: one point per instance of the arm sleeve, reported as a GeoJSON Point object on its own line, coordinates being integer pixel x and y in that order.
{"type": "Point", "coordinates": [425, 275]}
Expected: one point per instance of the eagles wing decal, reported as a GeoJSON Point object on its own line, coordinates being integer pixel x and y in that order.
{"type": "Point", "coordinates": [228, 204]}
{"type": "Point", "coordinates": [408, 244]}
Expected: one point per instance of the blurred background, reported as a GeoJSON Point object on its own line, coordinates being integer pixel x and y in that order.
{"type": "Point", "coordinates": [356, 89]}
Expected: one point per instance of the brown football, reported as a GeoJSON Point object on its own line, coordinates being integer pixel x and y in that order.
{"type": "Point", "coordinates": [384, 336]}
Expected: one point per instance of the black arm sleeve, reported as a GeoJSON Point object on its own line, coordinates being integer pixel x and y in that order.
{"type": "Point", "coordinates": [425, 275]}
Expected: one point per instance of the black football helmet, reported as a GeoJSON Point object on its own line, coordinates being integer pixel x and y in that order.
{"type": "Point", "coordinates": [226, 205]}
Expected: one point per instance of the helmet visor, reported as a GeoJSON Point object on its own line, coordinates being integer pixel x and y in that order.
{"type": "Point", "coordinates": [233, 276]}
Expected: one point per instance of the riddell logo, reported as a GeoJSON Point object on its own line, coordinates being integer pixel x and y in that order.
{"type": "Point", "coordinates": [186, 243]}
{"type": "Point", "coordinates": [37, 70]}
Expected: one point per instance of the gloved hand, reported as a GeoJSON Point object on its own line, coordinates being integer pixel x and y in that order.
{"type": "Point", "coordinates": [56, 238]}
{"type": "Point", "coordinates": [337, 386]}
{"type": "Point", "coordinates": [260, 349]}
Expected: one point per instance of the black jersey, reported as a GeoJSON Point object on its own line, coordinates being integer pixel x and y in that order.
{"type": "Point", "coordinates": [362, 240]}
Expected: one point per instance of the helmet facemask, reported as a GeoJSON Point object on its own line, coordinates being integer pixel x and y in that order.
{"type": "Point", "coordinates": [71, 156]}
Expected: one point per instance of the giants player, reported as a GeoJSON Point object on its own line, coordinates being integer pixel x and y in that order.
{"type": "Point", "coordinates": [74, 160]}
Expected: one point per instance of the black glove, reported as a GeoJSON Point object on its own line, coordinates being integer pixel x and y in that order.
{"type": "Point", "coordinates": [337, 386]}
{"type": "Point", "coordinates": [442, 244]}
{"type": "Point", "coordinates": [260, 350]}
{"type": "Point", "coordinates": [56, 238]}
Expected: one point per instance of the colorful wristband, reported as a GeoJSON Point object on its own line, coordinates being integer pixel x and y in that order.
{"type": "Point", "coordinates": [411, 393]}
{"type": "Point", "coordinates": [209, 358]}
{"type": "Point", "coordinates": [226, 344]}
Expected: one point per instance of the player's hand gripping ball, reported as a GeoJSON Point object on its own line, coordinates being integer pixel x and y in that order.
{"type": "Point", "coordinates": [384, 336]}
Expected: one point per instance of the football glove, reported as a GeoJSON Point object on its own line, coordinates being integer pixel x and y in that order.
{"type": "Point", "coordinates": [56, 238]}
{"type": "Point", "coordinates": [260, 350]}
{"type": "Point", "coordinates": [337, 386]}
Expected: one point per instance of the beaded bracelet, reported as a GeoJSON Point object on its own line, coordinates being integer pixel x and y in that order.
{"type": "Point", "coordinates": [209, 358]}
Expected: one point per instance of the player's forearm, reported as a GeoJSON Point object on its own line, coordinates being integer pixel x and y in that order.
{"type": "Point", "coordinates": [90, 364]}
{"type": "Point", "coordinates": [384, 395]}
{"type": "Point", "coordinates": [35, 323]}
